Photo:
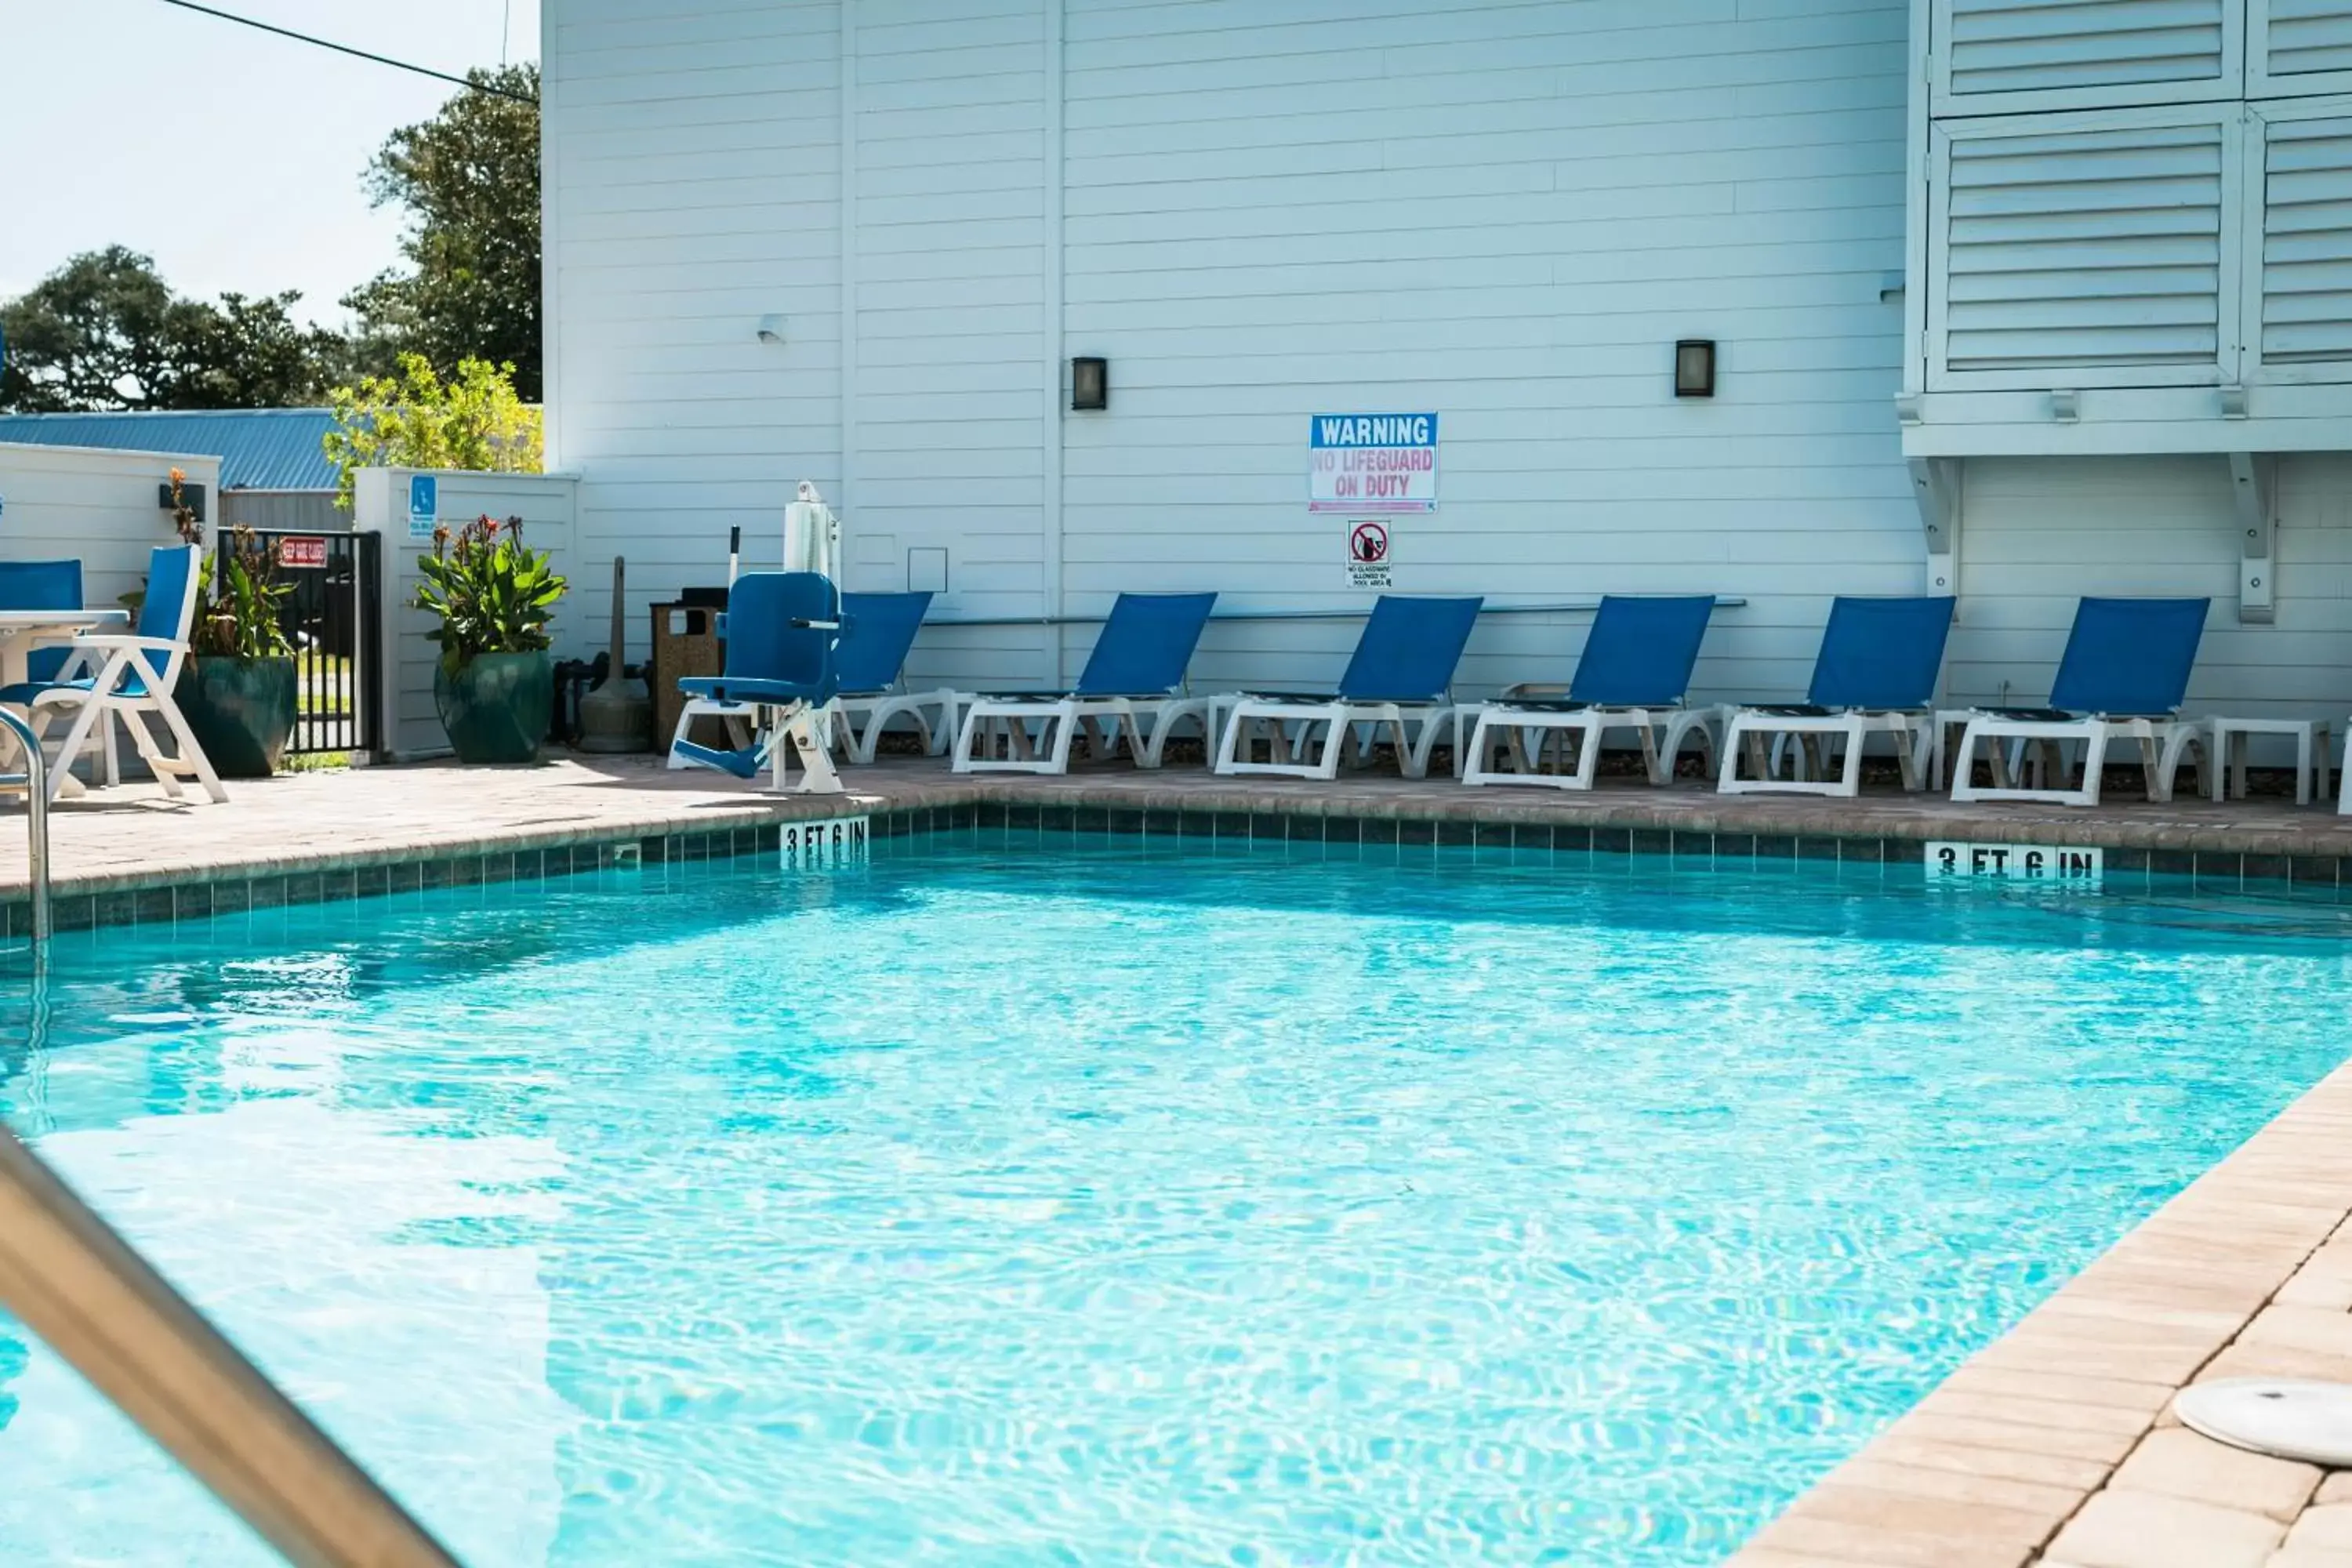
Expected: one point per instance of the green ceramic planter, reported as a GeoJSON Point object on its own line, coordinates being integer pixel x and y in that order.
{"type": "Point", "coordinates": [241, 712]}
{"type": "Point", "coordinates": [497, 708]}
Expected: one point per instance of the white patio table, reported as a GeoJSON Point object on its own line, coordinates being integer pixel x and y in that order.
{"type": "Point", "coordinates": [21, 631]}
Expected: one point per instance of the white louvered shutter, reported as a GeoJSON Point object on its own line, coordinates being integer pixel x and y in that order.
{"type": "Point", "coordinates": [1993, 56]}
{"type": "Point", "coordinates": [2298, 47]}
{"type": "Point", "coordinates": [2090, 256]}
{"type": "Point", "coordinates": [2305, 287]}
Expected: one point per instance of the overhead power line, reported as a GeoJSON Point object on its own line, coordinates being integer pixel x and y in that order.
{"type": "Point", "coordinates": [357, 54]}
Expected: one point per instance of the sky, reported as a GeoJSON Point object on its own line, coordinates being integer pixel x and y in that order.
{"type": "Point", "coordinates": [231, 156]}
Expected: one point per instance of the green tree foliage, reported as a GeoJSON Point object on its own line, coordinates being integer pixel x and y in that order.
{"type": "Point", "coordinates": [469, 179]}
{"type": "Point", "coordinates": [416, 420]}
{"type": "Point", "coordinates": [105, 332]}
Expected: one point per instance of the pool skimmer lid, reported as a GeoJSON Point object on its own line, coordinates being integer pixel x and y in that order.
{"type": "Point", "coordinates": [2286, 1417]}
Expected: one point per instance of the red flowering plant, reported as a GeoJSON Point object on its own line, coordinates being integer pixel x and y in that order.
{"type": "Point", "coordinates": [493, 592]}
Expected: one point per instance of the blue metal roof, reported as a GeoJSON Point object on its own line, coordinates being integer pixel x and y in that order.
{"type": "Point", "coordinates": [259, 448]}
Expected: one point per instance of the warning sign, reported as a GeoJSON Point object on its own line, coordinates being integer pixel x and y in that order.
{"type": "Point", "coordinates": [1379, 464]}
{"type": "Point", "coordinates": [297, 550]}
{"type": "Point", "coordinates": [1368, 555]}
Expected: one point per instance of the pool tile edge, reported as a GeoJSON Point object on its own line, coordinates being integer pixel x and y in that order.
{"type": "Point", "coordinates": [2057, 1441]}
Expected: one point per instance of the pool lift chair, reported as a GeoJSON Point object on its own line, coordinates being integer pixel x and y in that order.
{"type": "Point", "coordinates": [783, 631]}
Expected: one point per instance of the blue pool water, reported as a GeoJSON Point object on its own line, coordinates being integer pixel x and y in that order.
{"type": "Point", "coordinates": [1114, 1204]}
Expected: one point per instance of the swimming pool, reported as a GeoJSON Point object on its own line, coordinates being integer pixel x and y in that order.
{"type": "Point", "coordinates": [1116, 1200]}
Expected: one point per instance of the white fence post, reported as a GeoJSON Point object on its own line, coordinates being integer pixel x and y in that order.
{"type": "Point", "coordinates": [549, 506]}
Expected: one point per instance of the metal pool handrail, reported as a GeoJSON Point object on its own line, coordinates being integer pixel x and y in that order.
{"type": "Point", "coordinates": [80, 1286]}
{"type": "Point", "coordinates": [36, 780]}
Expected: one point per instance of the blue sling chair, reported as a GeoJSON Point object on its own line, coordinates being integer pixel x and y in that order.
{"type": "Point", "coordinates": [783, 631]}
{"type": "Point", "coordinates": [99, 679]}
{"type": "Point", "coordinates": [881, 633]}
{"type": "Point", "coordinates": [1634, 674]}
{"type": "Point", "coordinates": [1132, 689]}
{"type": "Point", "coordinates": [2123, 678]}
{"type": "Point", "coordinates": [1401, 676]}
{"type": "Point", "coordinates": [1876, 673]}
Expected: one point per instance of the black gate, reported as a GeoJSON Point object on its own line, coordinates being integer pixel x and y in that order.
{"type": "Point", "coordinates": [334, 621]}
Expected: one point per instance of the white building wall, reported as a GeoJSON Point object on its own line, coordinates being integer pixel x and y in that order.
{"type": "Point", "coordinates": [548, 506]}
{"type": "Point", "coordinates": [2041, 532]}
{"type": "Point", "coordinates": [97, 506]}
{"type": "Point", "coordinates": [1271, 208]}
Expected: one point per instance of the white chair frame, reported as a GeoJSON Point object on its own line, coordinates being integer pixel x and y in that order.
{"type": "Point", "coordinates": [106, 659]}
{"type": "Point", "coordinates": [1912, 730]}
{"type": "Point", "coordinates": [1036, 735]}
{"type": "Point", "coordinates": [1349, 729]}
{"type": "Point", "coordinates": [1663, 732]}
{"type": "Point", "coordinates": [2162, 745]}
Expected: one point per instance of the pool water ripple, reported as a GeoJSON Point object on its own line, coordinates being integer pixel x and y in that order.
{"type": "Point", "coordinates": [1114, 1205]}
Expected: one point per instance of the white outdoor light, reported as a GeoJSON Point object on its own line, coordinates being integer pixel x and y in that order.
{"type": "Point", "coordinates": [772, 328]}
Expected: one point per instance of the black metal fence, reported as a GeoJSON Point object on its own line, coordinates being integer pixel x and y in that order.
{"type": "Point", "coordinates": [333, 619]}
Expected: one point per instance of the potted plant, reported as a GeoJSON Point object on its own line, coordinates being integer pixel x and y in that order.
{"type": "Point", "coordinates": [493, 685]}
{"type": "Point", "coordinates": [237, 687]}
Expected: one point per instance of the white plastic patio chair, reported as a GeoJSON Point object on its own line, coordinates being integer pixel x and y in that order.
{"type": "Point", "coordinates": [128, 677]}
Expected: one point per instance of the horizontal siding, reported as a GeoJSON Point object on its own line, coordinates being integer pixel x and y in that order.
{"type": "Point", "coordinates": [1271, 208]}
{"type": "Point", "coordinates": [1506, 214]}
{"type": "Point", "coordinates": [2043, 532]}
{"type": "Point", "coordinates": [97, 507]}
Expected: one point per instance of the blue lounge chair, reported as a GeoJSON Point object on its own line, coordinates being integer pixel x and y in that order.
{"type": "Point", "coordinates": [127, 677]}
{"type": "Point", "coordinates": [882, 628]}
{"type": "Point", "coordinates": [879, 630]}
{"type": "Point", "coordinates": [1634, 674]}
{"type": "Point", "coordinates": [2124, 677]}
{"type": "Point", "coordinates": [1876, 673]}
{"type": "Point", "coordinates": [784, 629]}
{"type": "Point", "coordinates": [1132, 688]}
{"type": "Point", "coordinates": [1401, 676]}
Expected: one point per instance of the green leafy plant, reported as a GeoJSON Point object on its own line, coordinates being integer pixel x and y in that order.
{"type": "Point", "coordinates": [245, 622]}
{"type": "Point", "coordinates": [239, 610]}
{"type": "Point", "coordinates": [416, 420]}
{"type": "Point", "coordinates": [493, 592]}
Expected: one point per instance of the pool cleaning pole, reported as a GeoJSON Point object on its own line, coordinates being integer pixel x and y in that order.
{"type": "Point", "coordinates": [80, 1286]}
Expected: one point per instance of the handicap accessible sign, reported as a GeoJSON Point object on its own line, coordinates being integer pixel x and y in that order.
{"type": "Point", "coordinates": [423, 505]}
{"type": "Point", "coordinates": [1372, 464]}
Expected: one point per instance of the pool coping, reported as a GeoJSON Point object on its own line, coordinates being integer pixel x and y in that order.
{"type": "Point", "coordinates": [2314, 856]}
{"type": "Point", "coordinates": [2055, 1445]}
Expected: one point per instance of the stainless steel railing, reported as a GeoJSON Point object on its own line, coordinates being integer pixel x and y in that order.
{"type": "Point", "coordinates": [74, 1282]}
{"type": "Point", "coordinates": [36, 780]}
{"type": "Point", "coordinates": [79, 1285]}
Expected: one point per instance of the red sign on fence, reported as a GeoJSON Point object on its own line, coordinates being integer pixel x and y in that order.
{"type": "Point", "coordinates": [302, 552]}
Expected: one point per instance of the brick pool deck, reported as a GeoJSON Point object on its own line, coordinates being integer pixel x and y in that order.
{"type": "Point", "coordinates": [2053, 1446]}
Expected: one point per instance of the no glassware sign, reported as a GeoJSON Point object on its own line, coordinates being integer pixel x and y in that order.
{"type": "Point", "coordinates": [1368, 554]}
{"type": "Point", "coordinates": [1370, 464]}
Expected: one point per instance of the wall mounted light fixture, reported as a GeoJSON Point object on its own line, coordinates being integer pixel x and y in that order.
{"type": "Point", "coordinates": [1089, 385]}
{"type": "Point", "coordinates": [1694, 367]}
